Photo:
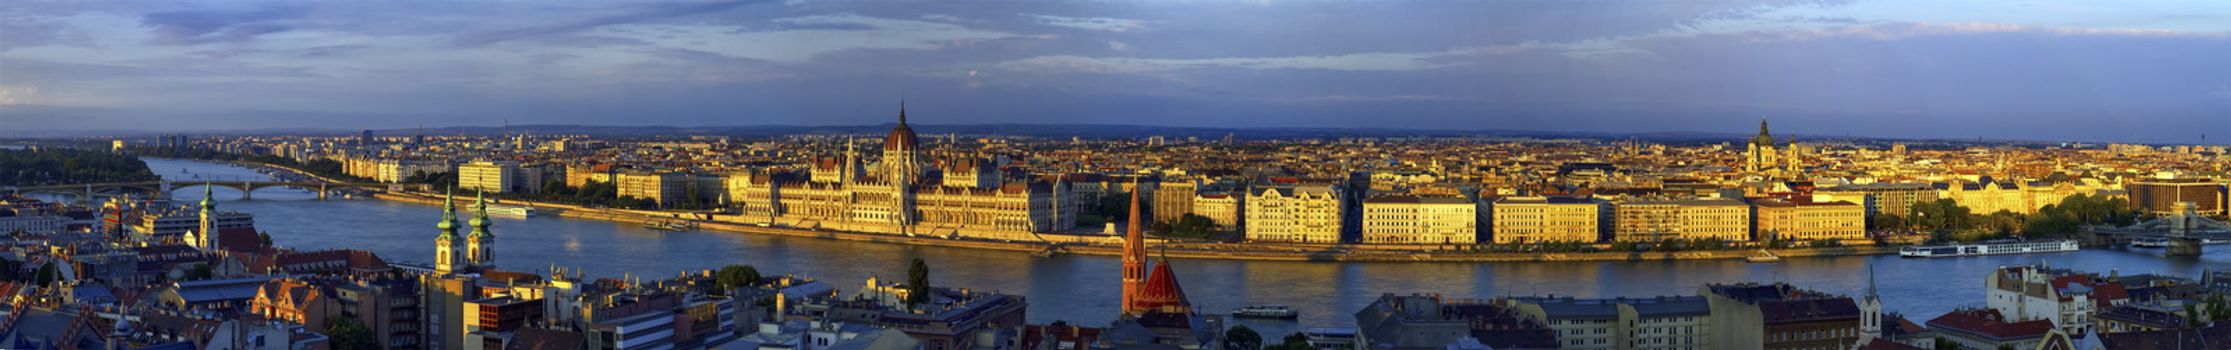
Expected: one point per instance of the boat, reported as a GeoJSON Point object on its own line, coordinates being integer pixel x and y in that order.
{"type": "Point", "coordinates": [1763, 257]}
{"type": "Point", "coordinates": [1989, 248]}
{"type": "Point", "coordinates": [2150, 242]}
{"type": "Point", "coordinates": [1266, 311]}
{"type": "Point", "coordinates": [676, 226]}
{"type": "Point", "coordinates": [513, 211]}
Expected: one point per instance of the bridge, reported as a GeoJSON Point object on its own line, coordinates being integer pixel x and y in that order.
{"type": "Point", "coordinates": [85, 192]}
{"type": "Point", "coordinates": [2184, 229]}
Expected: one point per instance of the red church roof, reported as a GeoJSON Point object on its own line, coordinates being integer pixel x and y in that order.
{"type": "Point", "coordinates": [1162, 292]}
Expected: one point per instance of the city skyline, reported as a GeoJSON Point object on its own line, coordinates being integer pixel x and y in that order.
{"type": "Point", "coordinates": [1880, 69]}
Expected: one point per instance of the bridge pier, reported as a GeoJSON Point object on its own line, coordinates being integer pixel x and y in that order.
{"type": "Point", "coordinates": [321, 191]}
{"type": "Point", "coordinates": [247, 191]}
{"type": "Point", "coordinates": [2183, 247]}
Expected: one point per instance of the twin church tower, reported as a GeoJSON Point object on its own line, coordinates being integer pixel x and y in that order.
{"type": "Point", "coordinates": [480, 245]}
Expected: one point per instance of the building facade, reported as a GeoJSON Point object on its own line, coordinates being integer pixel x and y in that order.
{"type": "Point", "coordinates": [490, 176]}
{"type": "Point", "coordinates": [1806, 221]}
{"type": "Point", "coordinates": [1524, 220]}
{"type": "Point", "coordinates": [1661, 220]}
{"type": "Point", "coordinates": [1420, 220]}
{"type": "Point", "coordinates": [895, 197]}
{"type": "Point", "coordinates": [1298, 214]}
{"type": "Point", "coordinates": [664, 188]}
{"type": "Point", "coordinates": [2160, 196]}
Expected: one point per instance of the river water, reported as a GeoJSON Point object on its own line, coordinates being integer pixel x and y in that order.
{"type": "Point", "coordinates": [1083, 289]}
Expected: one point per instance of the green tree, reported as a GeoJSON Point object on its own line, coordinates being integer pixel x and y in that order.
{"type": "Point", "coordinates": [918, 282]}
{"type": "Point", "coordinates": [2192, 316]}
{"type": "Point", "coordinates": [1296, 341]}
{"type": "Point", "coordinates": [345, 333]}
{"type": "Point", "coordinates": [1886, 221]}
{"type": "Point", "coordinates": [47, 275]}
{"type": "Point", "coordinates": [1946, 344]}
{"type": "Point", "coordinates": [2219, 310]}
{"type": "Point", "coordinates": [1242, 338]}
{"type": "Point", "coordinates": [734, 276]}
{"type": "Point", "coordinates": [201, 272]}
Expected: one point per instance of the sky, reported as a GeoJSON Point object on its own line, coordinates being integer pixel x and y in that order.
{"type": "Point", "coordinates": [2130, 71]}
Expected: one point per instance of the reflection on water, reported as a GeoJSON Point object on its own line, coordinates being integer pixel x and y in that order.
{"type": "Point", "coordinates": [1083, 288]}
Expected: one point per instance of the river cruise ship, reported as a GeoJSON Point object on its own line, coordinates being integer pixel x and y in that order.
{"type": "Point", "coordinates": [1989, 248]}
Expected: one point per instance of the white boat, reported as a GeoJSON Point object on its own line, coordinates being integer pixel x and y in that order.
{"type": "Point", "coordinates": [1989, 248]}
{"type": "Point", "coordinates": [1266, 311]}
{"type": "Point", "coordinates": [512, 211]}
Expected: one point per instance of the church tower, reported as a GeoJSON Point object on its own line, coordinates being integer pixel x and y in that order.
{"type": "Point", "coordinates": [1761, 155]}
{"type": "Point", "coordinates": [1870, 311]}
{"type": "Point", "coordinates": [445, 245]}
{"type": "Point", "coordinates": [1134, 260]}
{"type": "Point", "coordinates": [481, 243]}
{"type": "Point", "coordinates": [208, 230]}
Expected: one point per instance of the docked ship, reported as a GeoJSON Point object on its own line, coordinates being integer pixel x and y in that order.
{"type": "Point", "coordinates": [1989, 248]}
{"type": "Point", "coordinates": [513, 211]}
{"type": "Point", "coordinates": [1266, 311]}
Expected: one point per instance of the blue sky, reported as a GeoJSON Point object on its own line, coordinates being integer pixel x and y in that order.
{"type": "Point", "coordinates": [2150, 71]}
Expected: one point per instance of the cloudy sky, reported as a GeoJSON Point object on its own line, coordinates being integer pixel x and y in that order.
{"type": "Point", "coordinates": [2089, 70]}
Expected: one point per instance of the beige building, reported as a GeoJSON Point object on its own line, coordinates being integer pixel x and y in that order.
{"type": "Point", "coordinates": [1666, 322]}
{"type": "Point", "coordinates": [390, 170]}
{"type": "Point", "coordinates": [1173, 198]}
{"type": "Point", "coordinates": [662, 188]}
{"type": "Point", "coordinates": [1304, 214]}
{"type": "Point", "coordinates": [1220, 208]}
{"type": "Point", "coordinates": [581, 175]}
{"type": "Point", "coordinates": [1786, 220]}
{"type": "Point", "coordinates": [1661, 220]}
{"type": "Point", "coordinates": [1416, 220]}
{"type": "Point", "coordinates": [1545, 219]}
{"type": "Point", "coordinates": [1881, 198]}
{"type": "Point", "coordinates": [490, 176]}
{"type": "Point", "coordinates": [895, 197]}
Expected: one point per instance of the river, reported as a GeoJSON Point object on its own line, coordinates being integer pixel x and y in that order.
{"type": "Point", "coordinates": [1083, 289]}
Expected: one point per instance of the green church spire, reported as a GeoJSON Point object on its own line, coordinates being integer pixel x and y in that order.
{"type": "Point", "coordinates": [480, 215]}
{"type": "Point", "coordinates": [449, 215]}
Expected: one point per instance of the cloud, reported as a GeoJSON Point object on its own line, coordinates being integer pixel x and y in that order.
{"type": "Point", "coordinates": [1899, 19]}
{"type": "Point", "coordinates": [1378, 61]}
{"type": "Point", "coordinates": [807, 37]}
{"type": "Point", "coordinates": [639, 14]}
{"type": "Point", "coordinates": [1105, 24]}
{"type": "Point", "coordinates": [200, 27]}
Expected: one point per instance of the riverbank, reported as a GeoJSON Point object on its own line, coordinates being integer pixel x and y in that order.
{"type": "Point", "coordinates": [1182, 250]}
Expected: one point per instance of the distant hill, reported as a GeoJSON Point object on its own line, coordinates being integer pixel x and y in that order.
{"type": "Point", "coordinates": [1089, 131]}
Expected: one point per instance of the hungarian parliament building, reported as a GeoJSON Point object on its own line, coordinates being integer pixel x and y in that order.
{"type": "Point", "coordinates": [896, 195]}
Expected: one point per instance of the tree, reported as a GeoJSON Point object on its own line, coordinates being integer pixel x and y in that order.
{"type": "Point", "coordinates": [345, 333]}
{"type": "Point", "coordinates": [2192, 316]}
{"type": "Point", "coordinates": [47, 275]}
{"type": "Point", "coordinates": [1886, 221]}
{"type": "Point", "coordinates": [735, 276]}
{"type": "Point", "coordinates": [2219, 310]}
{"type": "Point", "coordinates": [201, 272]}
{"type": "Point", "coordinates": [918, 282]}
{"type": "Point", "coordinates": [1296, 341]}
{"type": "Point", "coordinates": [1946, 344]}
{"type": "Point", "coordinates": [1242, 338]}
{"type": "Point", "coordinates": [266, 237]}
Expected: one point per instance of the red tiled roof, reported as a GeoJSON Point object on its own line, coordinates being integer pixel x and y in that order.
{"type": "Point", "coordinates": [1990, 323]}
{"type": "Point", "coordinates": [1886, 344]}
{"type": "Point", "coordinates": [1162, 290]}
{"type": "Point", "coordinates": [240, 239]}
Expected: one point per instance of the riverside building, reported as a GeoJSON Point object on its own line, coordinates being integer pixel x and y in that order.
{"type": "Point", "coordinates": [898, 196]}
